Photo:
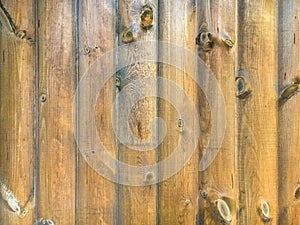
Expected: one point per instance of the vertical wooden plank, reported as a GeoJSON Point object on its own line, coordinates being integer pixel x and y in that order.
{"type": "Point", "coordinates": [16, 111]}
{"type": "Point", "coordinates": [56, 181]}
{"type": "Point", "coordinates": [257, 112]}
{"type": "Point", "coordinates": [216, 23]}
{"type": "Point", "coordinates": [289, 112]}
{"type": "Point", "coordinates": [96, 194]}
{"type": "Point", "coordinates": [178, 194]}
{"type": "Point", "coordinates": [137, 204]}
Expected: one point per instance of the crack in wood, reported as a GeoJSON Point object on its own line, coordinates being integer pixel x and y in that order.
{"type": "Point", "coordinates": [7, 24]}
{"type": "Point", "coordinates": [6, 20]}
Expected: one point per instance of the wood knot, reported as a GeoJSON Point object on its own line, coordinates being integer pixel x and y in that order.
{"type": "Point", "coordinates": [146, 17]}
{"type": "Point", "coordinates": [297, 193]}
{"type": "Point", "coordinates": [87, 50]}
{"type": "Point", "coordinates": [242, 89]}
{"type": "Point", "coordinates": [205, 41]}
{"type": "Point", "coordinates": [227, 40]}
{"type": "Point", "coordinates": [187, 202]}
{"type": "Point", "coordinates": [45, 222]}
{"type": "Point", "coordinates": [118, 82]}
{"type": "Point", "coordinates": [203, 194]}
{"type": "Point", "coordinates": [149, 177]}
{"type": "Point", "coordinates": [264, 211]}
{"type": "Point", "coordinates": [43, 98]}
{"type": "Point", "coordinates": [14, 204]}
{"type": "Point", "coordinates": [224, 211]}
{"type": "Point", "coordinates": [180, 124]}
{"type": "Point", "coordinates": [290, 91]}
{"type": "Point", "coordinates": [127, 36]}
{"type": "Point", "coordinates": [21, 34]}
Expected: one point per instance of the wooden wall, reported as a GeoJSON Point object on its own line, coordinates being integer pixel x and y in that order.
{"type": "Point", "coordinates": [251, 47]}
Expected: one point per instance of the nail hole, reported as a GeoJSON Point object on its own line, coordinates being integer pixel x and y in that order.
{"type": "Point", "coordinates": [43, 98]}
{"type": "Point", "coordinates": [24, 212]}
{"type": "Point", "coordinates": [93, 151]}
{"type": "Point", "coordinates": [224, 210]}
{"type": "Point", "coordinates": [146, 17]}
{"type": "Point", "coordinates": [297, 193]}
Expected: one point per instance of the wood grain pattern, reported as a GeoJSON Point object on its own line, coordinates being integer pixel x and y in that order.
{"type": "Point", "coordinates": [137, 205]}
{"type": "Point", "coordinates": [257, 112]}
{"type": "Point", "coordinates": [252, 48]}
{"type": "Point", "coordinates": [220, 179]}
{"type": "Point", "coordinates": [178, 194]}
{"type": "Point", "coordinates": [57, 82]}
{"type": "Point", "coordinates": [97, 30]}
{"type": "Point", "coordinates": [16, 111]}
{"type": "Point", "coordinates": [289, 112]}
